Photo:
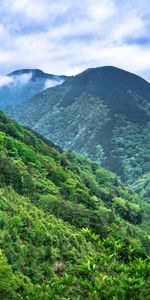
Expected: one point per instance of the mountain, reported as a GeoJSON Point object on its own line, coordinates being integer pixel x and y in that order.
{"type": "Point", "coordinates": [68, 228]}
{"type": "Point", "coordinates": [21, 85]}
{"type": "Point", "coordinates": [102, 113]}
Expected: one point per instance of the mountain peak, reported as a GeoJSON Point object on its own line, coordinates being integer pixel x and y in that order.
{"type": "Point", "coordinates": [25, 83]}
{"type": "Point", "coordinates": [35, 73]}
{"type": "Point", "coordinates": [108, 71]}
{"type": "Point", "coordinates": [90, 112]}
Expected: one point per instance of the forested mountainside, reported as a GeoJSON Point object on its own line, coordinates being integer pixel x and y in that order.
{"type": "Point", "coordinates": [102, 113]}
{"type": "Point", "coordinates": [142, 186]}
{"type": "Point", "coordinates": [68, 228]}
{"type": "Point", "coordinates": [21, 85]}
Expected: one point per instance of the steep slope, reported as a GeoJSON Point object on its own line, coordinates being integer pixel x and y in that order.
{"type": "Point", "coordinates": [142, 186]}
{"type": "Point", "coordinates": [46, 197]}
{"type": "Point", "coordinates": [102, 113]}
{"type": "Point", "coordinates": [21, 85]}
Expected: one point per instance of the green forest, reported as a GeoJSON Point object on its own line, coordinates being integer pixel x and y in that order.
{"type": "Point", "coordinates": [69, 229]}
{"type": "Point", "coordinates": [102, 113]}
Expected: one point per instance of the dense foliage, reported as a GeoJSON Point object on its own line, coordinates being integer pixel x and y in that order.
{"type": "Point", "coordinates": [68, 228]}
{"type": "Point", "coordinates": [102, 113]}
{"type": "Point", "coordinates": [142, 186]}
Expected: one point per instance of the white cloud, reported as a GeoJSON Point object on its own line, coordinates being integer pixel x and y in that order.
{"type": "Point", "coordinates": [5, 80]}
{"type": "Point", "coordinates": [21, 79]}
{"type": "Point", "coordinates": [32, 9]}
{"type": "Point", "coordinates": [68, 36]}
{"type": "Point", "coordinates": [50, 83]}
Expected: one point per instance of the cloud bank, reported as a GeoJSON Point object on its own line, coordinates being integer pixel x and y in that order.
{"type": "Point", "coordinates": [21, 79]}
{"type": "Point", "coordinates": [5, 80]}
{"type": "Point", "coordinates": [68, 36]}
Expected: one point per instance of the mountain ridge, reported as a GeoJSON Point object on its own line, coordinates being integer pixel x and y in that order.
{"type": "Point", "coordinates": [35, 72]}
{"type": "Point", "coordinates": [102, 113]}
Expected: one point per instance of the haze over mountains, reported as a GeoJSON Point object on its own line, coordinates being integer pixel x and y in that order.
{"type": "Point", "coordinates": [102, 113]}
{"type": "Point", "coordinates": [21, 85]}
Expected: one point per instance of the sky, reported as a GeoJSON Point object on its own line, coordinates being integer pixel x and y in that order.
{"type": "Point", "coordinates": [69, 36]}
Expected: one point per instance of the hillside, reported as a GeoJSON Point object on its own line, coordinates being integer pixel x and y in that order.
{"type": "Point", "coordinates": [102, 113]}
{"type": "Point", "coordinates": [68, 228]}
{"type": "Point", "coordinates": [21, 85]}
{"type": "Point", "coordinates": [142, 186]}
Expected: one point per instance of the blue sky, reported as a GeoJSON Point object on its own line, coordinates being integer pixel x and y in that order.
{"type": "Point", "coordinates": [68, 36]}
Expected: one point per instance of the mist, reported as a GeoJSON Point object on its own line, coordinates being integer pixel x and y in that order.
{"type": "Point", "coordinates": [21, 79]}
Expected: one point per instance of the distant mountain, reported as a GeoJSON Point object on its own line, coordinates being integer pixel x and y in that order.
{"type": "Point", "coordinates": [102, 113]}
{"type": "Point", "coordinates": [21, 85]}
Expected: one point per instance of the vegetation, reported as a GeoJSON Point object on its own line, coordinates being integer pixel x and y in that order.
{"type": "Point", "coordinates": [102, 113]}
{"type": "Point", "coordinates": [68, 228]}
{"type": "Point", "coordinates": [132, 147]}
{"type": "Point", "coordinates": [142, 186]}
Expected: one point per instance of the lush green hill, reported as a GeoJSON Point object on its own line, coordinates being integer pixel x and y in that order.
{"type": "Point", "coordinates": [47, 197]}
{"type": "Point", "coordinates": [102, 113]}
{"type": "Point", "coordinates": [21, 85]}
